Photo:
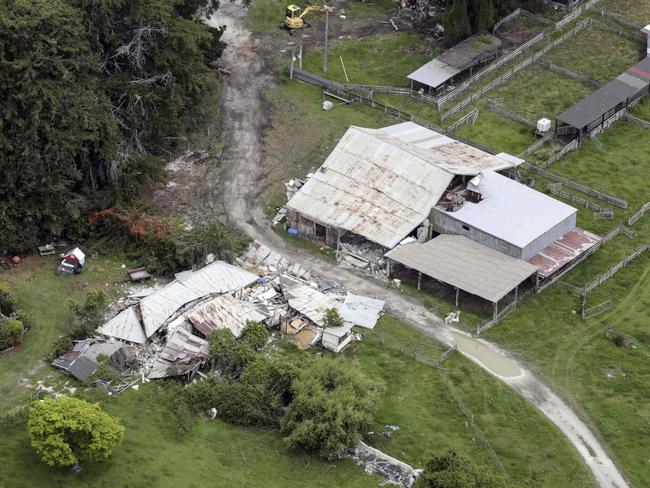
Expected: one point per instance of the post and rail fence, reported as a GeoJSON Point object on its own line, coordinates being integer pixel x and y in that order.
{"type": "Point", "coordinates": [640, 213]}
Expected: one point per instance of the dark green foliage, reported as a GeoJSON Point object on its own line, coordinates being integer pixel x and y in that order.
{"type": "Point", "coordinates": [11, 331]}
{"type": "Point", "coordinates": [7, 302]}
{"type": "Point", "coordinates": [94, 92]}
{"type": "Point", "coordinates": [333, 403]}
{"type": "Point", "coordinates": [456, 21]}
{"type": "Point", "coordinates": [90, 315]}
{"type": "Point", "coordinates": [60, 347]}
{"type": "Point", "coordinates": [215, 239]}
{"type": "Point", "coordinates": [481, 14]}
{"type": "Point", "coordinates": [229, 355]}
{"type": "Point", "coordinates": [332, 318]}
{"type": "Point", "coordinates": [453, 471]}
{"type": "Point", "coordinates": [255, 335]}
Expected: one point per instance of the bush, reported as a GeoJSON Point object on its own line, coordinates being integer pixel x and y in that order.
{"type": "Point", "coordinates": [229, 355]}
{"type": "Point", "coordinates": [60, 347]}
{"type": "Point", "coordinates": [332, 318]}
{"type": "Point", "coordinates": [11, 331]}
{"type": "Point", "coordinates": [255, 335]}
{"type": "Point", "coordinates": [7, 302]}
{"type": "Point", "coordinates": [333, 403]}
{"type": "Point", "coordinates": [90, 315]}
{"type": "Point", "coordinates": [453, 471]}
{"type": "Point", "coordinates": [67, 430]}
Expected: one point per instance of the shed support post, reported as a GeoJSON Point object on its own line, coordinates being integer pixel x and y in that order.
{"type": "Point", "coordinates": [419, 280]}
{"type": "Point", "coordinates": [387, 267]}
{"type": "Point", "coordinates": [496, 310]}
{"type": "Point", "coordinates": [457, 295]}
{"type": "Point", "coordinates": [516, 293]}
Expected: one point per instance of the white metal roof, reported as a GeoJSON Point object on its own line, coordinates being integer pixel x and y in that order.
{"type": "Point", "coordinates": [218, 277]}
{"type": "Point", "coordinates": [373, 185]}
{"type": "Point", "coordinates": [511, 211]}
{"type": "Point", "coordinates": [310, 302]}
{"type": "Point", "coordinates": [361, 311]}
{"type": "Point", "coordinates": [224, 312]}
{"type": "Point", "coordinates": [126, 326]}
{"type": "Point", "coordinates": [434, 73]}
{"type": "Point", "coordinates": [447, 153]}
{"type": "Point", "coordinates": [465, 264]}
{"type": "Point", "coordinates": [337, 331]}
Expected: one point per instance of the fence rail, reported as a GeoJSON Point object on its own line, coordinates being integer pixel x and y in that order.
{"type": "Point", "coordinates": [634, 36]}
{"type": "Point", "coordinates": [619, 202]}
{"type": "Point", "coordinates": [587, 313]}
{"type": "Point", "coordinates": [571, 74]}
{"type": "Point", "coordinates": [614, 269]}
{"type": "Point", "coordinates": [640, 213]}
{"type": "Point", "coordinates": [537, 144]}
{"type": "Point", "coordinates": [508, 74]}
{"type": "Point", "coordinates": [508, 17]}
{"type": "Point", "coordinates": [470, 117]}
{"type": "Point", "coordinates": [560, 154]}
{"type": "Point", "coordinates": [556, 189]}
{"type": "Point", "coordinates": [509, 114]}
{"type": "Point", "coordinates": [619, 18]}
{"type": "Point", "coordinates": [494, 321]}
{"type": "Point", "coordinates": [638, 122]}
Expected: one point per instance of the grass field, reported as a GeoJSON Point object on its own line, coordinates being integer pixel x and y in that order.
{"type": "Point", "coordinates": [537, 92]}
{"type": "Point", "coordinates": [500, 133]}
{"type": "Point", "coordinates": [634, 10]}
{"type": "Point", "coordinates": [597, 54]}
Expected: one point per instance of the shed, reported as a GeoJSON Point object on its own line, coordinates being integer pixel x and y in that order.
{"type": "Point", "coordinates": [336, 338]}
{"type": "Point", "coordinates": [509, 217]}
{"type": "Point", "coordinates": [465, 265]}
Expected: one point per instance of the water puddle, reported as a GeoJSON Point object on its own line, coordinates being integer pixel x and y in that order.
{"type": "Point", "coordinates": [491, 359]}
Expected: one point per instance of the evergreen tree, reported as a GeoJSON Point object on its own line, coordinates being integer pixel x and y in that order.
{"type": "Point", "coordinates": [481, 13]}
{"type": "Point", "coordinates": [456, 21]}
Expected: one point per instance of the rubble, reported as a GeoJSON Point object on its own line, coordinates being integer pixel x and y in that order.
{"type": "Point", "coordinates": [395, 472]}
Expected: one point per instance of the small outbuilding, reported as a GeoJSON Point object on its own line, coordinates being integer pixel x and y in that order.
{"type": "Point", "coordinates": [336, 338]}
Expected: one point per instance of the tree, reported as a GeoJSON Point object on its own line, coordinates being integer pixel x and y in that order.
{"type": "Point", "coordinates": [67, 430]}
{"type": "Point", "coordinates": [332, 318]}
{"type": "Point", "coordinates": [11, 331]}
{"type": "Point", "coordinates": [452, 471]}
{"type": "Point", "coordinates": [456, 21]}
{"type": "Point", "coordinates": [255, 335]}
{"type": "Point", "coordinates": [229, 355]}
{"type": "Point", "coordinates": [481, 13]}
{"type": "Point", "coordinates": [333, 403]}
{"type": "Point", "coordinates": [90, 315]}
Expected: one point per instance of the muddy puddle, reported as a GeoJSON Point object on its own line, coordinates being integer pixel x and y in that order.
{"type": "Point", "coordinates": [488, 357]}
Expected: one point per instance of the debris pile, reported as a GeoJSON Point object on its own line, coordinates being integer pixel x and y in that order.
{"type": "Point", "coordinates": [396, 472]}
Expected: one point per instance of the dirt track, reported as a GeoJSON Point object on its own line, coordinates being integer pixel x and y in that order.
{"type": "Point", "coordinates": [244, 114]}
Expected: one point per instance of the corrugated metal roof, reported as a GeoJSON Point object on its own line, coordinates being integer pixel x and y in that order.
{"type": "Point", "coordinates": [224, 312]}
{"type": "Point", "coordinates": [361, 311]}
{"type": "Point", "coordinates": [589, 109]}
{"type": "Point", "coordinates": [310, 302]}
{"type": "Point", "coordinates": [373, 185]}
{"type": "Point", "coordinates": [218, 277]}
{"type": "Point", "coordinates": [465, 264]}
{"type": "Point", "coordinates": [563, 251]}
{"type": "Point", "coordinates": [83, 367]}
{"type": "Point", "coordinates": [447, 153]}
{"type": "Point", "coordinates": [434, 73]}
{"type": "Point", "coordinates": [183, 346]}
{"type": "Point", "coordinates": [126, 326]}
{"type": "Point", "coordinates": [511, 211]}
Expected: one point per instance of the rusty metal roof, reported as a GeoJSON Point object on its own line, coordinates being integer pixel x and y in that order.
{"type": "Point", "coordinates": [224, 312]}
{"type": "Point", "coordinates": [373, 185]}
{"type": "Point", "coordinates": [563, 251]}
{"type": "Point", "coordinates": [465, 264]}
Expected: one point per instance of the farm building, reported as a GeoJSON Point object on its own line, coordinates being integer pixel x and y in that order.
{"type": "Point", "coordinates": [595, 113]}
{"type": "Point", "coordinates": [381, 184]}
{"type": "Point", "coordinates": [461, 59]}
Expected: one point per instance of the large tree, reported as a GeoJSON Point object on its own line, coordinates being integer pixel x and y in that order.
{"type": "Point", "coordinates": [68, 430]}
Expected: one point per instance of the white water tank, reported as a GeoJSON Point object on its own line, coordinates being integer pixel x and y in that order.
{"type": "Point", "coordinates": [543, 125]}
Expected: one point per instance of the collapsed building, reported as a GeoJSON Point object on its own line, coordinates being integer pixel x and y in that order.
{"type": "Point", "coordinates": [163, 332]}
{"type": "Point", "coordinates": [405, 183]}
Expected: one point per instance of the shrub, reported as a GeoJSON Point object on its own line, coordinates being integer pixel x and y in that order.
{"type": "Point", "coordinates": [333, 403]}
{"type": "Point", "coordinates": [90, 315]}
{"type": "Point", "coordinates": [68, 430]}
{"type": "Point", "coordinates": [229, 355]}
{"type": "Point", "coordinates": [255, 335]}
{"type": "Point", "coordinates": [453, 471]}
{"type": "Point", "coordinates": [60, 347]}
{"type": "Point", "coordinates": [332, 318]}
{"type": "Point", "coordinates": [7, 302]}
{"type": "Point", "coordinates": [11, 331]}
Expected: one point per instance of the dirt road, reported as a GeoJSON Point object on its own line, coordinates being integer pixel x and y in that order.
{"type": "Point", "coordinates": [243, 112]}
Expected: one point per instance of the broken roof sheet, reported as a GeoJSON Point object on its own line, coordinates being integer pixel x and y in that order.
{"type": "Point", "coordinates": [82, 368]}
{"type": "Point", "coordinates": [361, 311]}
{"type": "Point", "coordinates": [465, 264]}
{"type": "Point", "coordinates": [337, 331]}
{"type": "Point", "coordinates": [511, 211]}
{"type": "Point", "coordinates": [563, 251]}
{"type": "Point", "coordinates": [218, 277]}
{"type": "Point", "coordinates": [635, 80]}
{"type": "Point", "coordinates": [372, 185]}
{"type": "Point", "coordinates": [447, 153]}
{"type": "Point", "coordinates": [183, 346]}
{"type": "Point", "coordinates": [310, 302]}
{"type": "Point", "coordinates": [126, 326]}
{"type": "Point", "coordinates": [224, 312]}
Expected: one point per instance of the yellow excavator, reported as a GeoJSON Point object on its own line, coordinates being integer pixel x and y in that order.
{"type": "Point", "coordinates": [294, 16]}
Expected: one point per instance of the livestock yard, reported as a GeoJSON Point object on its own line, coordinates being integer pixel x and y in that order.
{"type": "Point", "coordinates": [475, 213]}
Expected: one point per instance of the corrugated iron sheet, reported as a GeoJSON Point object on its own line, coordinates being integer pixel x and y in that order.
{"type": "Point", "coordinates": [373, 185]}
{"type": "Point", "coordinates": [310, 302]}
{"type": "Point", "coordinates": [224, 312]}
{"type": "Point", "coordinates": [218, 277]}
{"type": "Point", "coordinates": [183, 346]}
{"type": "Point", "coordinates": [126, 326]}
{"type": "Point", "coordinates": [465, 264]}
{"type": "Point", "coordinates": [563, 251]}
{"type": "Point", "coordinates": [361, 311]}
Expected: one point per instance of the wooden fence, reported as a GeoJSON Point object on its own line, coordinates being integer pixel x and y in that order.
{"type": "Point", "coordinates": [640, 213]}
{"type": "Point", "coordinates": [515, 69]}
{"type": "Point", "coordinates": [634, 36]}
{"type": "Point", "coordinates": [509, 114]}
{"type": "Point", "coordinates": [510, 16]}
{"type": "Point", "coordinates": [571, 74]}
{"type": "Point", "coordinates": [620, 19]}
{"type": "Point", "coordinates": [411, 349]}
{"type": "Point", "coordinates": [587, 313]}
{"type": "Point", "coordinates": [575, 13]}
{"type": "Point", "coordinates": [494, 321]}
{"type": "Point", "coordinates": [470, 117]}
{"type": "Point", "coordinates": [560, 154]}
{"type": "Point", "coordinates": [370, 90]}
{"type": "Point", "coordinates": [576, 186]}
{"type": "Point", "coordinates": [556, 189]}
{"type": "Point", "coordinates": [537, 144]}
{"type": "Point", "coordinates": [614, 269]}
{"type": "Point", "coordinates": [638, 122]}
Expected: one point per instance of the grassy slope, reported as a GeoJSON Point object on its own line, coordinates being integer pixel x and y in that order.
{"type": "Point", "coordinates": [431, 419]}
{"type": "Point", "coordinates": [44, 296]}
{"type": "Point", "coordinates": [212, 454]}
{"type": "Point", "coordinates": [634, 10]}
{"type": "Point", "coordinates": [500, 133]}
